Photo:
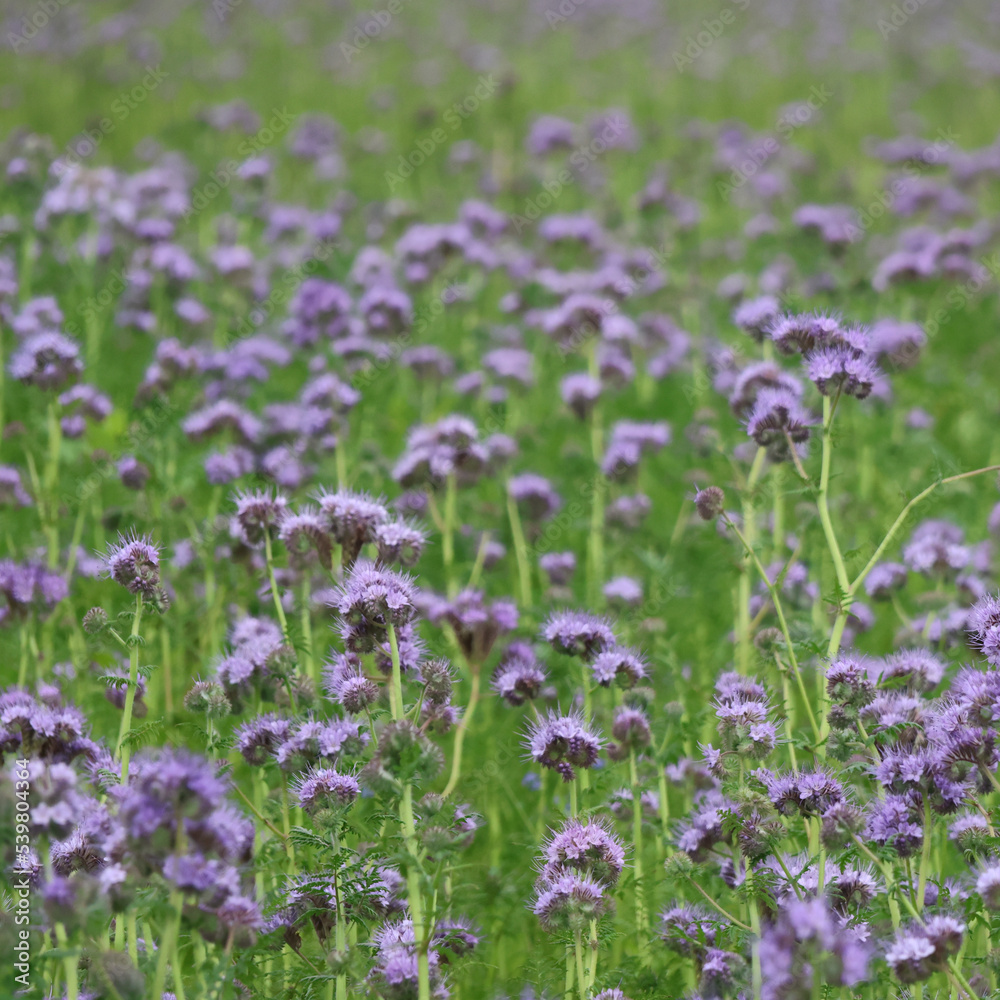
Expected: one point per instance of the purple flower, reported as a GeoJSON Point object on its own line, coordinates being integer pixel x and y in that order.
{"type": "Point", "coordinates": [984, 625]}
{"type": "Point", "coordinates": [628, 511]}
{"type": "Point", "coordinates": [580, 392]}
{"type": "Point", "coordinates": [372, 599]}
{"type": "Point", "coordinates": [259, 512]}
{"type": "Point", "coordinates": [563, 743]}
{"type": "Point", "coordinates": [589, 849]}
{"type": "Point", "coordinates": [808, 942]}
{"type": "Point", "coordinates": [631, 729]}
{"type": "Point", "coordinates": [756, 377]}
{"type": "Point", "coordinates": [884, 579]}
{"type": "Point", "coordinates": [476, 624]}
{"type": "Point", "coordinates": [428, 362]}
{"type": "Point", "coordinates": [223, 415]}
{"type": "Point", "coordinates": [47, 360]}
{"type": "Point", "coordinates": [810, 793]}
{"type": "Point", "coordinates": [620, 666]}
{"type": "Point", "coordinates": [12, 491]}
{"type": "Point", "coordinates": [304, 532]}
{"type": "Point", "coordinates": [326, 790]}
{"type": "Point", "coordinates": [519, 676]}
{"type": "Point", "coordinates": [709, 502]}
{"type": "Point", "coordinates": [558, 566]}
{"type": "Point", "coordinates": [840, 369]}
{"type": "Point", "coordinates": [535, 495]}
{"type": "Point", "coordinates": [624, 591]}
{"type": "Point", "coordinates": [134, 562]}
{"type": "Point", "coordinates": [755, 316]}
{"type": "Point", "coordinates": [224, 467]}
{"type": "Point", "coordinates": [897, 820]}
{"type": "Point", "coordinates": [133, 473]}
{"type": "Point", "coordinates": [577, 633]}
{"type": "Point", "coordinates": [630, 440]}
{"type": "Point", "coordinates": [923, 949]}
{"type": "Point", "coordinates": [988, 885]}
{"type": "Point", "coordinates": [259, 739]}
{"type": "Point", "coordinates": [436, 451]}
{"type": "Point", "coordinates": [241, 918]}
{"type": "Point", "coordinates": [920, 667]}
{"type": "Point", "coordinates": [804, 333]}
{"type": "Point", "coordinates": [513, 364]}
{"type": "Point", "coordinates": [936, 547]}
{"type": "Point", "coordinates": [549, 133]}
{"type": "Point", "coordinates": [778, 422]}
{"type": "Point", "coordinates": [897, 342]}
{"type": "Point", "coordinates": [569, 901]}
{"type": "Point", "coordinates": [346, 683]}
{"type": "Point", "coordinates": [688, 930]}
{"type": "Point", "coordinates": [29, 588]}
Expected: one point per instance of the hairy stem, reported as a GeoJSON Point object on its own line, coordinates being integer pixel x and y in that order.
{"type": "Point", "coordinates": [122, 751]}
{"type": "Point", "coordinates": [641, 913]}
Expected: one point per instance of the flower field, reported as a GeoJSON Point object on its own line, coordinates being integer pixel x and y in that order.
{"type": "Point", "coordinates": [499, 500]}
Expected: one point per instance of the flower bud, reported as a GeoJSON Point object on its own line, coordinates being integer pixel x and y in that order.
{"type": "Point", "coordinates": [95, 620]}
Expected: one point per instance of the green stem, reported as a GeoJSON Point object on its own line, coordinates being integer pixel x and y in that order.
{"type": "Point", "coordinates": [122, 751]}
{"type": "Point", "coordinates": [779, 610]}
{"type": "Point", "coordinates": [890, 883]}
{"type": "Point", "coordinates": [168, 945]}
{"type": "Point", "coordinates": [822, 498]}
{"type": "Point", "coordinates": [448, 540]}
{"type": "Point", "coordinates": [641, 913]}
{"type": "Point", "coordinates": [340, 929]}
{"type": "Point", "coordinates": [716, 906]}
{"type": "Point", "coordinates": [286, 823]}
{"type": "Point", "coordinates": [581, 982]}
{"type": "Point", "coordinates": [269, 557]}
{"type": "Point", "coordinates": [409, 826]}
{"type": "Point", "coordinates": [750, 530]}
{"type": "Point", "coordinates": [52, 482]}
{"type": "Point", "coordinates": [778, 502]}
{"type": "Point", "coordinates": [463, 727]}
{"type": "Point", "coordinates": [306, 618]}
{"type": "Point", "coordinates": [132, 935]}
{"type": "Point", "coordinates": [838, 630]}
{"type": "Point", "coordinates": [925, 855]}
{"type": "Point", "coordinates": [664, 811]}
{"type": "Point", "coordinates": [520, 551]}
{"type": "Point", "coordinates": [413, 892]}
{"type": "Point", "coordinates": [595, 537]}
{"type": "Point", "coordinates": [69, 962]}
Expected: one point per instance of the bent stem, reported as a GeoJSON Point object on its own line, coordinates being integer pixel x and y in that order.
{"type": "Point", "coordinates": [852, 589]}
{"type": "Point", "coordinates": [779, 610]}
{"type": "Point", "coordinates": [822, 497]}
{"type": "Point", "coordinates": [463, 726]}
{"type": "Point", "coordinates": [716, 906]}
